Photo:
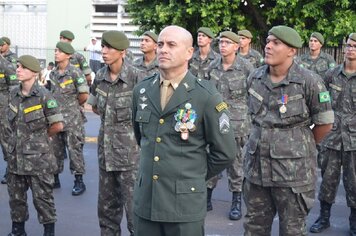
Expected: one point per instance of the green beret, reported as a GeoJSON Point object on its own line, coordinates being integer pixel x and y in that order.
{"type": "Point", "coordinates": [230, 35]}
{"type": "Point", "coordinates": [1, 42]}
{"type": "Point", "coordinates": [115, 39]}
{"type": "Point", "coordinates": [287, 35]}
{"type": "Point", "coordinates": [65, 47]}
{"type": "Point", "coordinates": [6, 40]}
{"type": "Point", "coordinates": [67, 34]}
{"type": "Point", "coordinates": [318, 36]}
{"type": "Point", "coordinates": [207, 31]}
{"type": "Point", "coordinates": [352, 36]}
{"type": "Point", "coordinates": [30, 63]}
{"type": "Point", "coordinates": [152, 35]}
{"type": "Point", "coordinates": [245, 33]}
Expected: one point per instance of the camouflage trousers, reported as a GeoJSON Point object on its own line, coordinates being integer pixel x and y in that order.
{"type": "Point", "coordinates": [263, 203]}
{"type": "Point", "coordinates": [145, 227]}
{"type": "Point", "coordinates": [331, 162]}
{"type": "Point", "coordinates": [73, 140]}
{"type": "Point", "coordinates": [42, 195]}
{"type": "Point", "coordinates": [115, 195]}
{"type": "Point", "coordinates": [235, 171]}
{"type": "Point", "coordinates": [4, 135]}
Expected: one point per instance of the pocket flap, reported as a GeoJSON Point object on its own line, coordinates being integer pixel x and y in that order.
{"type": "Point", "coordinates": [190, 186]}
{"type": "Point", "coordinates": [143, 116]}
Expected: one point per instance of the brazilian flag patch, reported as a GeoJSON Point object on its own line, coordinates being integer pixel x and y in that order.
{"type": "Point", "coordinates": [324, 97]}
{"type": "Point", "coordinates": [52, 103]}
{"type": "Point", "coordinates": [80, 80]}
{"type": "Point", "coordinates": [13, 77]}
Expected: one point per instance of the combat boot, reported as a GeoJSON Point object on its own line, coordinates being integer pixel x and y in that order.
{"type": "Point", "coordinates": [235, 211]}
{"type": "Point", "coordinates": [57, 183]}
{"type": "Point", "coordinates": [209, 205]}
{"type": "Point", "coordinates": [79, 186]}
{"type": "Point", "coordinates": [48, 229]}
{"type": "Point", "coordinates": [323, 221]}
{"type": "Point", "coordinates": [4, 179]}
{"type": "Point", "coordinates": [18, 229]}
{"type": "Point", "coordinates": [352, 219]}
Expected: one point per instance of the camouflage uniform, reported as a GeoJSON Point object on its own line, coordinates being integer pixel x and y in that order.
{"type": "Point", "coordinates": [117, 148]}
{"type": "Point", "coordinates": [147, 70]}
{"type": "Point", "coordinates": [65, 88]}
{"type": "Point", "coordinates": [11, 57]}
{"type": "Point", "coordinates": [200, 68]}
{"type": "Point", "coordinates": [231, 83]}
{"type": "Point", "coordinates": [319, 65]}
{"type": "Point", "coordinates": [8, 81]}
{"type": "Point", "coordinates": [79, 61]}
{"type": "Point", "coordinates": [280, 155]}
{"type": "Point", "coordinates": [31, 161]}
{"type": "Point", "coordinates": [254, 57]}
{"type": "Point", "coordinates": [339, 146]}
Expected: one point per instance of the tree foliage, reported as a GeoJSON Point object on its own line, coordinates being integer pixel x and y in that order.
{"type": "Point", "coordinates": [335, 19]}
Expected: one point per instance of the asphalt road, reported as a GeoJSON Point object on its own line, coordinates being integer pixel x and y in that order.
{"type": "Point", "coordinates": [76, 215]}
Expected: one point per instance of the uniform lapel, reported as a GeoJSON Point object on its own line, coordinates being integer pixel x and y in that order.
{"type": "Point", "coordinates": [181, 94]}
{"type": "Point", "coordinates": [153, 93]}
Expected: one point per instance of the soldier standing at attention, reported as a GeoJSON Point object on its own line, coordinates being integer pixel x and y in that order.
{"type": "Point", "coordinates": [316, 60]}
{"type": "Point", "coordinates": [6, 52]}
{"type": "Point", "coordinates": [246, 51]}
{"type": "Point", "coordinates": [34, 118]}
{"type": "Point", "coordinates": [338, 149]}
{"type": "Point", "coordinates": [111, 98]}
{"type": "Point", "coordinates": [77, 59]}
{"type": "Point", "coordinates": [229, 75]}
{"type": "Point", "coordinates": [175, 117]}
{"type": "Point", "coordinates": [148, 62]}
{"type": "Point", "coordinates": [205, 56]}
{"type": "Point", "coordinates": [280, 155]}
{"type": "Point", "coordinates": [69, 87]}
{"type": "Point", "coordinates": [8, 81]}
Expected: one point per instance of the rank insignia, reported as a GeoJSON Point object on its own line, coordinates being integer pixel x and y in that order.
{"type": "Point", "coordinates": [143, 105]}
{"type": "Point", "coordinates": [224, 123]}
{"type": "Point", "coordinates": [221, 106]}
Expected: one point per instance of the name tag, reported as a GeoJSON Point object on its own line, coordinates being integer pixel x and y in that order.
{"type": "Point", "coordinates": [33, 108]}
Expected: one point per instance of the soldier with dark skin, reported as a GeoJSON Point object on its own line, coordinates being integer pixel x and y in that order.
{"type": "Point", "coordinates": [8, 81]}
{"type": "Point", "coordinates": [204, 56]}
{"type": "Point", "coordinates": [68, 86]}
{"type": "Point", "coordinates": [229, 75]}
{"type": "Point", "coordinates": [111, 99]}
{"type": "Point", "coordinates": [175, 117]}
{"type": "Point", "coordinates": [246, 51]}
{"type": "Point", "coordinates": [284, 100]}
{"type": "Point", "coordinates": [34, 117]}
{"type": "Point", "coordinates": [148, 62]}
{"type": "Point", "coordinates": [338, 149]}
{"type": "Point", "coordinates": [317, 60]}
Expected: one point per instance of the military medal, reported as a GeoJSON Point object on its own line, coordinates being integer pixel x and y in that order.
{"type": "Point", "coordinates": [283, 108]}
{"type": "Point", "coordinates": [185, 121]}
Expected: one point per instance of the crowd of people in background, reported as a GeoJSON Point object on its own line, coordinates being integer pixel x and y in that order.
{"type": "Point", "coordinates": [173, 119]}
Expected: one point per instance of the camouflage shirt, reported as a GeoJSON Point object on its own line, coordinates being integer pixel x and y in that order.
{"type": "Point", "coordinates": [29, 117]}
{"type": "Point", "coordinates": [117, 149]}
{"type": "Point", "coordinates": [200, 68]}
{"type": "Point", "coordinates": [8, 80]}
{"type": "Point", "coordinates": [65, 88]}
{"type": "Point", "coordinates": [232, 86]}
{"type": "Point", "coordinates": [254, 57]}
{"type": "Point", "coordinates": [147, 70]}
{"type": "Point", "coordinates": [319, 65]}
{"type": "Point", "coordinates": [342, 87]}
{"type": "Point", "coordinates": [79, 61]}
{"type": "Point", "coordinates": [281, 149]}
{"type": "Point", "coordinates": [12, 58]}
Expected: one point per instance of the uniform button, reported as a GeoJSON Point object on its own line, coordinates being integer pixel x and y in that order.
{"type": "Point", "coordinates": [156, 158]}
{"type": "Point", "coordinates": [161, 121]}
{"type": "Point", "coordinates": [193, 189]}
{"type": "Point", "coordinates": [155, 177]}
{"type": "Point", "coordinates": [158, 140]}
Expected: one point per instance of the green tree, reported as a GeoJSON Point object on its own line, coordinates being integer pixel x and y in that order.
{"type": "Point", "coordinates": [333, 18]}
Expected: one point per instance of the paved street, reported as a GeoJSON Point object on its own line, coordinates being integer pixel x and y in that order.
{"type": "Point", "coordinates": [77, 215]}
